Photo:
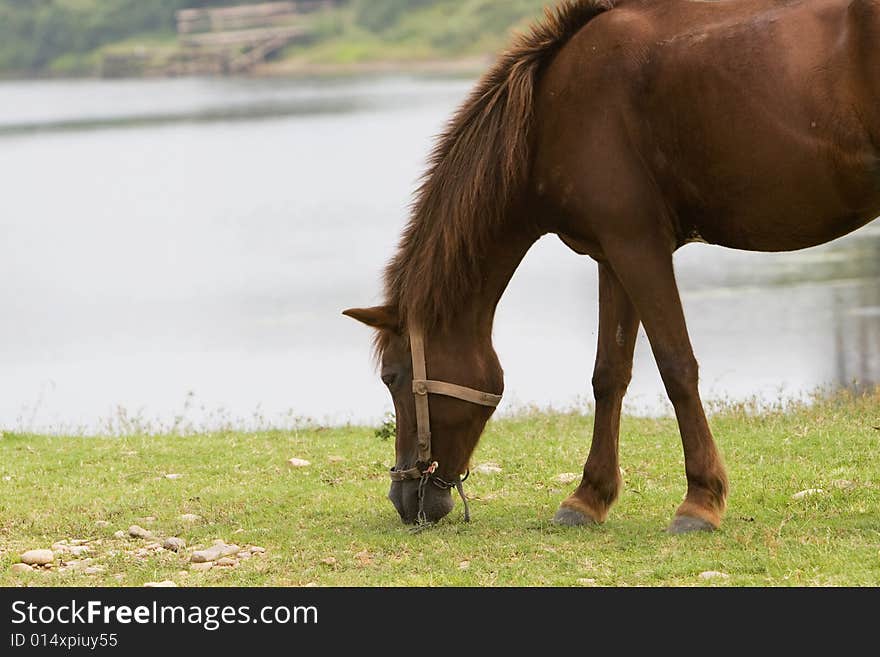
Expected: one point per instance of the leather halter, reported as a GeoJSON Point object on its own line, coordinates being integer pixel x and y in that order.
{"type": "Point", "coordinates": [425, 468]}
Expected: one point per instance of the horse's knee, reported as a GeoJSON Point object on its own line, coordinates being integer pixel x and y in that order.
{"type": "Point", "coordinates": [610, 380]}
{"type": "Point", "coordinates": [681, 378]}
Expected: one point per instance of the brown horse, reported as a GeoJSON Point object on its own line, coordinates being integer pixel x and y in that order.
{"type": "Point", "coordinates": [628, 129]}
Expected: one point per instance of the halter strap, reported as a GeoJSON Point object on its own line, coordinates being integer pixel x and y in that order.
{"type": "Point", "coordinates": [423, 416]}
{"type": "Point", "coordinates": [425, 469]}
{"type": "Point", "coordinates": [422, 387]}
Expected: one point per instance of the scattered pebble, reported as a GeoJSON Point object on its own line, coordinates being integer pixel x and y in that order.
{"type": "Point", "coordinates": [38, 557]}
{"type": "Point", "coordinates": [78, 550]}
{"type": "Point", "coordinates": [226, 562]}
{"type": "Point", "coordinates": [298, 463]}
{"type": "Point", "coordinates": [173, 477]}
{"type": "Point", "coordinates": [714, 574]}
{"type": "Point", "coordinates": [139, 532]}
{"type": "Point", "coordinates": [214, 553]}
{"type": "Point", "coordinates": [364, 558]}
{"type": "Point", "coordinates": [257, 549]}
{"type": "Point", "coordinates": [174, 544]}
{"type": "Point", "coordinates": [488, 468]}
{"type": "Point", "coordinates": [19, 568]}
{"type": "Point", "coordinates": [586, 581]}
{"type": "Point", "coordinates": [843, 484]}
{"type": "Point", "coordinates": [7, 478]}
{"type": "Point", "coordinates": [244, 555]}
{"type": "Point", "coordinates": [167, 584]}
{"type": "Point", "coordinates": [101, 523]}
{"type": "Point", "coordinates": [202, 566]}
{"type": "Point", "coordinates": [464, 565]}
{"type": "Point", "coordinates": [190, 517]}
{"type": "Point", "coordinates": [568, 477]}
{"type": "Point", "coordinates": [94, 570]}
{"type": "Point", "coordinates": [335, 459]}
{"type": "Point", "coordinates": [119, 534]}
{"type": "Point", "coordinates": [329, 561]}
{"type": "Point", "coordinates": [807, 493]}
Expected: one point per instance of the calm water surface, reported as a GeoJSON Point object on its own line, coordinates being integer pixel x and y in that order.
{"type": "Point", "coordinates": [180, 251]}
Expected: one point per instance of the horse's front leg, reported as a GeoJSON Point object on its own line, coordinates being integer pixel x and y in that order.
{"type": "Point", "coordinates": [645, 269]}
{"type": "Point", "coordinates": [618, 328]}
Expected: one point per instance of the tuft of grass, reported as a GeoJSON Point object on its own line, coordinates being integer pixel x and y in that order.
{"type": "Point", "coordinates": [329, 525]}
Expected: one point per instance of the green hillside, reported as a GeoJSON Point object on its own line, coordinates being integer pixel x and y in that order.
{"type": "Point", "coordinates": [71, 37]}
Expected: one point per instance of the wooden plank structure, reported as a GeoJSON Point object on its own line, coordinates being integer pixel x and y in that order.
{"type": "Point", "coordinates": [233, 40]}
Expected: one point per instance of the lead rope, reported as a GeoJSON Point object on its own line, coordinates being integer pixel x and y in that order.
{"type": "Point", "coordinates": [428, 475]}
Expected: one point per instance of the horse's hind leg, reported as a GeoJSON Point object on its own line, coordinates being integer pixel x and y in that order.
{"type": "Point", "coordinates": [645, 269]}
{"type": "Point", "coordinates": [618, 328]}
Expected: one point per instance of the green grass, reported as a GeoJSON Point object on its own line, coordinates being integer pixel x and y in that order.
{"type": "Point", "coordinates": [330, 525]}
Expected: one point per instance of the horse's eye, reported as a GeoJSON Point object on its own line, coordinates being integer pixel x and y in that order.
{"type": "Point", "coordinates": [388, 378]}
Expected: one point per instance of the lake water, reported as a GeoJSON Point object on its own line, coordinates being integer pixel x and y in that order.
{"type": "Point", "coordinates": [177, 253]}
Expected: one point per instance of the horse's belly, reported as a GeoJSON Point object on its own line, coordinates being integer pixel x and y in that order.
{"type": "Point", "coordinates": [751, 232]}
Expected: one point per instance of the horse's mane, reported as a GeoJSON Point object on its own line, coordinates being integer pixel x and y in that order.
{"type": "Point", "coordinates": [476, 167]}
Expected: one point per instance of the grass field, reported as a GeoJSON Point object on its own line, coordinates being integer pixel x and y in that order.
{"type": "Point", "coordinates": [329, 524]}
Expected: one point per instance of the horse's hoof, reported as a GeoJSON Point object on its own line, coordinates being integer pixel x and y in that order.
{"type": "Point", "coordinates": [689, 525]}
{"type": "Point", "coordinates": [568, 517]}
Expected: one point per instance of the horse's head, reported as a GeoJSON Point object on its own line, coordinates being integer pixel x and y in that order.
{"type": "Point", "coordinates": [455, 424]}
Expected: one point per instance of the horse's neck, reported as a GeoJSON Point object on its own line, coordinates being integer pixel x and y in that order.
{"type": "Point", "coordinates": [498, 264]}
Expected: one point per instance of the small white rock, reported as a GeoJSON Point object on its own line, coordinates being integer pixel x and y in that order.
{"type": "Point", "coordinates": [139, 532]}
{"type": "Point", "coordinates": [257, 549]}
{"type": "Point", "coordinates": [19, 568]}
{"type": "Point", "coordinates": [488, 468]}
{"type": "Point", "coordinates": [119, 534]}
{"type": "Point", "coordinates": [173, 477]}
{"type": "Point", "coordinates": [38, 557]}
{"type": "Point", "coordinates": [807, 493]}
{"type": "Point", "coordinates": [167, 584]}
{"type": "Point", "coordinates": [586, 581]}
{"type": "Point", "coordinates": [78, 550]}
{"type": "Point", "coordinates": [568, 477]}
{"type": "Point", "coordinates": [464, 565]}
{"type": "Point", "coordinates": [101, 523]}
{"type": "Point", "coordinates": [214, 553]}
{"type": "Point", "coordinates": [843, 484]}
{"type": "Point", "coordinates": [226, 562]}
{"type": "Point", "coordinates": [714, 574]}
{"type": "Point", "coordinates": [190, 517]}
{"type": "Point", "coordinates": [94, 570]}
{"type": "Point", "coordinates": [202, 566]}
{"type": "Point", "coordinates": [298, 463]}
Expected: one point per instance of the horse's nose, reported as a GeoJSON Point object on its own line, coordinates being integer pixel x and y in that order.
{"type": "Point", "coordinates": [404, 495]}
{"type": "Point", "coordinates": [396, 497]}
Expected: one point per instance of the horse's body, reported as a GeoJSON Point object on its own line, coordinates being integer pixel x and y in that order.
{"type": "Point", "coordinates": [629, 132]}
{"type": "Point", "coordinates": [742, 123]}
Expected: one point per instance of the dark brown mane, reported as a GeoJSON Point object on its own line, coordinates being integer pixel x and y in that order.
{"type": "Point", "coordinates": [474, 170]}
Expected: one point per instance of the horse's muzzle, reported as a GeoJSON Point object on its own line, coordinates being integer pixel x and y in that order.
{"type": "Point", "coordinates": [404, 495]}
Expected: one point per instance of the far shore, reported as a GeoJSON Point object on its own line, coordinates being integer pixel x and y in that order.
{"type": "Point", "coordinates": [291, 68]}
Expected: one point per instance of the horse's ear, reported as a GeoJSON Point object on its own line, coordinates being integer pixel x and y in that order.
{"type": "Point", "coordinates": [380, 317]}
